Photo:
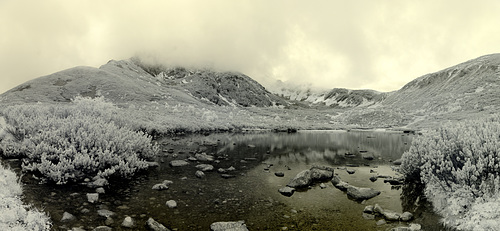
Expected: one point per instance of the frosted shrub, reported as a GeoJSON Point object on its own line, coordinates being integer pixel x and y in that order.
{"type": "Point", "coordinates": [460, 167]}
{"type": "Point", "coordinates": [86, 138]}
{"type": "Point", "coordinates": [14, 215]}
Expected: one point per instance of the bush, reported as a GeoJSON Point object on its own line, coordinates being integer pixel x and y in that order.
{"type": "Point", "coordinates": [460, 167]}
{"type": "Point", "coordinates": [13, 214]}
{"type": "Point", "coordinates": [69, 142]}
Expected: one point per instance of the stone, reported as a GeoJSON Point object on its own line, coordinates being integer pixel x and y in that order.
{"type": "Point", "coordinates": [227, 176]}
{"type": "Point", "coordinates": [373, 178]}
{"type": "Point", "coordinates": [360, 194]}
{"type": "Point", "coordinates": [390, 215]}
{"type": "Point", "coordinates": [98, 182]}
{"type": "Point", "coordinates": [155, 226]}
{"type": "Point", "coordinates": [378, 209]}
{"type": "Point", "coordinates": [167, 182]}
{"type": "Point", "coordinates": [231, 169]}
{"type": "Point", "coordinates": [160, 187]}
{"type": "Point", "coordinates": [350, 171]}
{"type": "Point", "coordinates": [199, 174]}
{"type": "Point", "coordinates": [397, 162]}
{"type": "Point", "coordinates": [368, 156]}
{"type": "Point", "coordinates": [279, 174]}
{"type": "Point", "coordinates": [338, 183]}
{"type": "Point", "coordinates": [286, 191]}
{"type": "Point", "coordinates": [406, 216]}
{"type": "Point", "coordinates": [322, 185]}
{"type": "Point", "coordinates": [171, 204]}
{"type": "Point", "coordinates": [368, 209]}
{"type": "Point", "coordinates": [92, 197]}
{"type": "Point", "coordinates": [67, 217]}
{"type": "Point", "coordinates": [128, 222]}
{"type": "Point", "coordinates": [368, 216]}
{"type": "Point", "coordinates": [307, 177]}
{"type": "Point", "coordinates": [178, 163]}
{"type": "Point", "coordinates": [102, 228]}
{"type": "Point", "coordinates": [221, 170]}
{"type": "Point", "coordinates": [231, 225]}
{"type": "Point", "coordinates": [415, 227]}
{"type": "Point", "coordinates": [109, 221]}
{"type": "Point", "coordinates": [381, 222]}
{"type": "Point", "coordinates": [203, 157]}
{"type": "Point", "coordinates": [205, 167]}
{"type": "Point", "coordinates": [105, 213]}
{"type": "Point", "coordinates": [100, 190]}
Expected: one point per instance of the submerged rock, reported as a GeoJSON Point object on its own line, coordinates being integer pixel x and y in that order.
{"type": "Point", "coordinates": [204, 157]}
{"type": "Point", "coordinates": [92, 197]}
{"type": "Point", "coordinates": [155, 226]}
{"type": "Point", "coordinates": [286, 191]}
{"type": "Point", "coordinates": [178, 163]}
{"type": "Point", "coordinates": [128, 222]}
{"type": "Point", "coordinates": [279, 174]}
{"type": "Point", "coordinates": [199, 174]}
{"type": "Point", "coordinates": [350, 171]}
{"type": "Point", "coordinates": [360, 194]}
{"type": "Point", "coordinates": [67, 217]}
{"type": "Point", "coordinates": [231, 225]}
{"type": "Point", "coordinates": [171, 204]}
{"type": "Point", "coordinates": [205, 167]}
{"type": "Point", "coordinates": [160, 187]}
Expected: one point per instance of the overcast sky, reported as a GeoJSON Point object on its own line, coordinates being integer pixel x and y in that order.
{"type": "Point", "coordinates": [370, 44]}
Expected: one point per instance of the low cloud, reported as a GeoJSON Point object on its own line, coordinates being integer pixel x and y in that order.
{"type": "Point", "coordinates": [360, 44]}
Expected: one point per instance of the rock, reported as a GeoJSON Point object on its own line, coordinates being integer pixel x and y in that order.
{"type": "Point", "coordinates": [368, 209]}
{"type": "Point", "coordinates": [390, 215]}
{"type": "Point", "coordinates": [286, 191]}
{"type": "Point", "coordinates": [167, 182]}
{"type": "Point", "coordinates": [406, 216]}
{"type": "Point", "coordinates": [373, 178]}
{"type": "Point", "coordinates": [226, 226]}
{"type": "Point", "coordinates": [178, 163]}
{"type": "Point", "coordinates": [227, 176]}
{"type": "Point", "coordinates": [192, 158]}
{"type": "Point", "coordinates": [199, 174]}
{"type": "Point", "coordinates": [160, 187]}
{"type": "Point", "coordinates": [279, 174]}
{"type": "Point", "coordinates": [128, 222]}
{"type": "Point", "coordinates": [171, 204]}
{"type": "Point", "coordinates": [415, 227]}
{"type": "Point", "coordinates": [92, 197]}
{"type": "Point", "coordinates": [350, 171]}
{"type": "Point", "coordinates": [360, 194]}
{"type": "Point", "coordinates": [105, 213]}
{"type": "Point", "coordinates": [322, 185]}
{"type": "Point", "coordinates": [307, 177]}
{"type": "Point", "coordinates": [230, 169]}
{"type": "Point", "coordinates": [368, 156]}
{"type": "Point", "coordinates": [152, 164]}
{"type": "Point", "coordinates": [397, 162]}
{"type": "Point", "coordinates": [205, 167]}
{"type": "Point", "coordinates": [251, 146]}
{"type": "Point", "coordinates": [155, 226]}
{"type": "Point", "coordinates": [338, 183]}
{"type": "Point", "coordinates": [109, 221]}
{"type": "Point", "coordinates": [100, 190]}
{"type": "Point", "coordinates": [378, 209]}
{"type": "Point", "coordinates": [368, 216]}
{"type": "Point", "coordinates": [98, 182]}
{"type": "Point", "coordinates": [221, 170]}
{"type": "Point", "coordinates": [204, 157]}
{"type": "Point", "coordinates": [67, 217]}
{"type": "Point", "coordinates": [381, 222]}
{"type": "Point", "coordinates": [102, 228]}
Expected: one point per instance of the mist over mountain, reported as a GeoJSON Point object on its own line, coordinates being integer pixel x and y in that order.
{"type": "Point", "coordinates": [458, 92]}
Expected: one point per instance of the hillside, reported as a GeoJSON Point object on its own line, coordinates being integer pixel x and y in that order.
{"type": "Point", "coordinates": [130, 81]}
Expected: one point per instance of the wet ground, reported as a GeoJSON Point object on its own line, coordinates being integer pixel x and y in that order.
{"type": "Point", "coordinates": [252, 194]}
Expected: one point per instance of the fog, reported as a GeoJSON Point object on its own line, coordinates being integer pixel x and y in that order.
{"type": "Point", "coordinates": [377, 45]}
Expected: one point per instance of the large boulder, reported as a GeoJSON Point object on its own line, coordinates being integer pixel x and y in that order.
{"type": "Point", "coordinates": [360, 194]}
{"type": "Point", "coordinates": [307, 177]}
{"type": "Point", "coordinates": [231, 225]}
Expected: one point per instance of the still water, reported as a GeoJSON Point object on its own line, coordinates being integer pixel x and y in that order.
{"type": "Point", "coordinates": [252, 194]}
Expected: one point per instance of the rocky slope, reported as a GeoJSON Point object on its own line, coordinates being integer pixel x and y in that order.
{"type": "Point", "coordinates": [130, 80]}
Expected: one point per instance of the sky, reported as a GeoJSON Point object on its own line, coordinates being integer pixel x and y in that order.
{"type": "Point", "coordinates": [356, 44]}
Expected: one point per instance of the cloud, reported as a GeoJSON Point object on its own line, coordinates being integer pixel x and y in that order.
{"type": "Point", "coordinates": [357, 44]}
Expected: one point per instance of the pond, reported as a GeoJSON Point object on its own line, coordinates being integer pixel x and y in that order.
{"type": "Point", "coordinates": [251, 194]}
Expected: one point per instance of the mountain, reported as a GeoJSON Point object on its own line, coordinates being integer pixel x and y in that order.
{"type": "Point", "coordinates": [133, 81]}
{"type": "Point", "coordinates": [333, 98]}
{"type": "Point", "coordinates": [470, 86]}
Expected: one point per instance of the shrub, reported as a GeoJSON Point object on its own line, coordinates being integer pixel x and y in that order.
{"type": "Point", "coordinates": [69, 142]}
{"type": "Point", "coordinates": [459, 164]}
{"type": "Point", "coordinates": [14, 215]}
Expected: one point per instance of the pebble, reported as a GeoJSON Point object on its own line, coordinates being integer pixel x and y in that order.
{"type": "Point", "coordinates": [92, 197]}
{"type": "Point", "coordinates": [128, 222]}
{"type": "Point", "coordinates": [171, 204]}
{"type": "Point", "coordinates": [67, 217]}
